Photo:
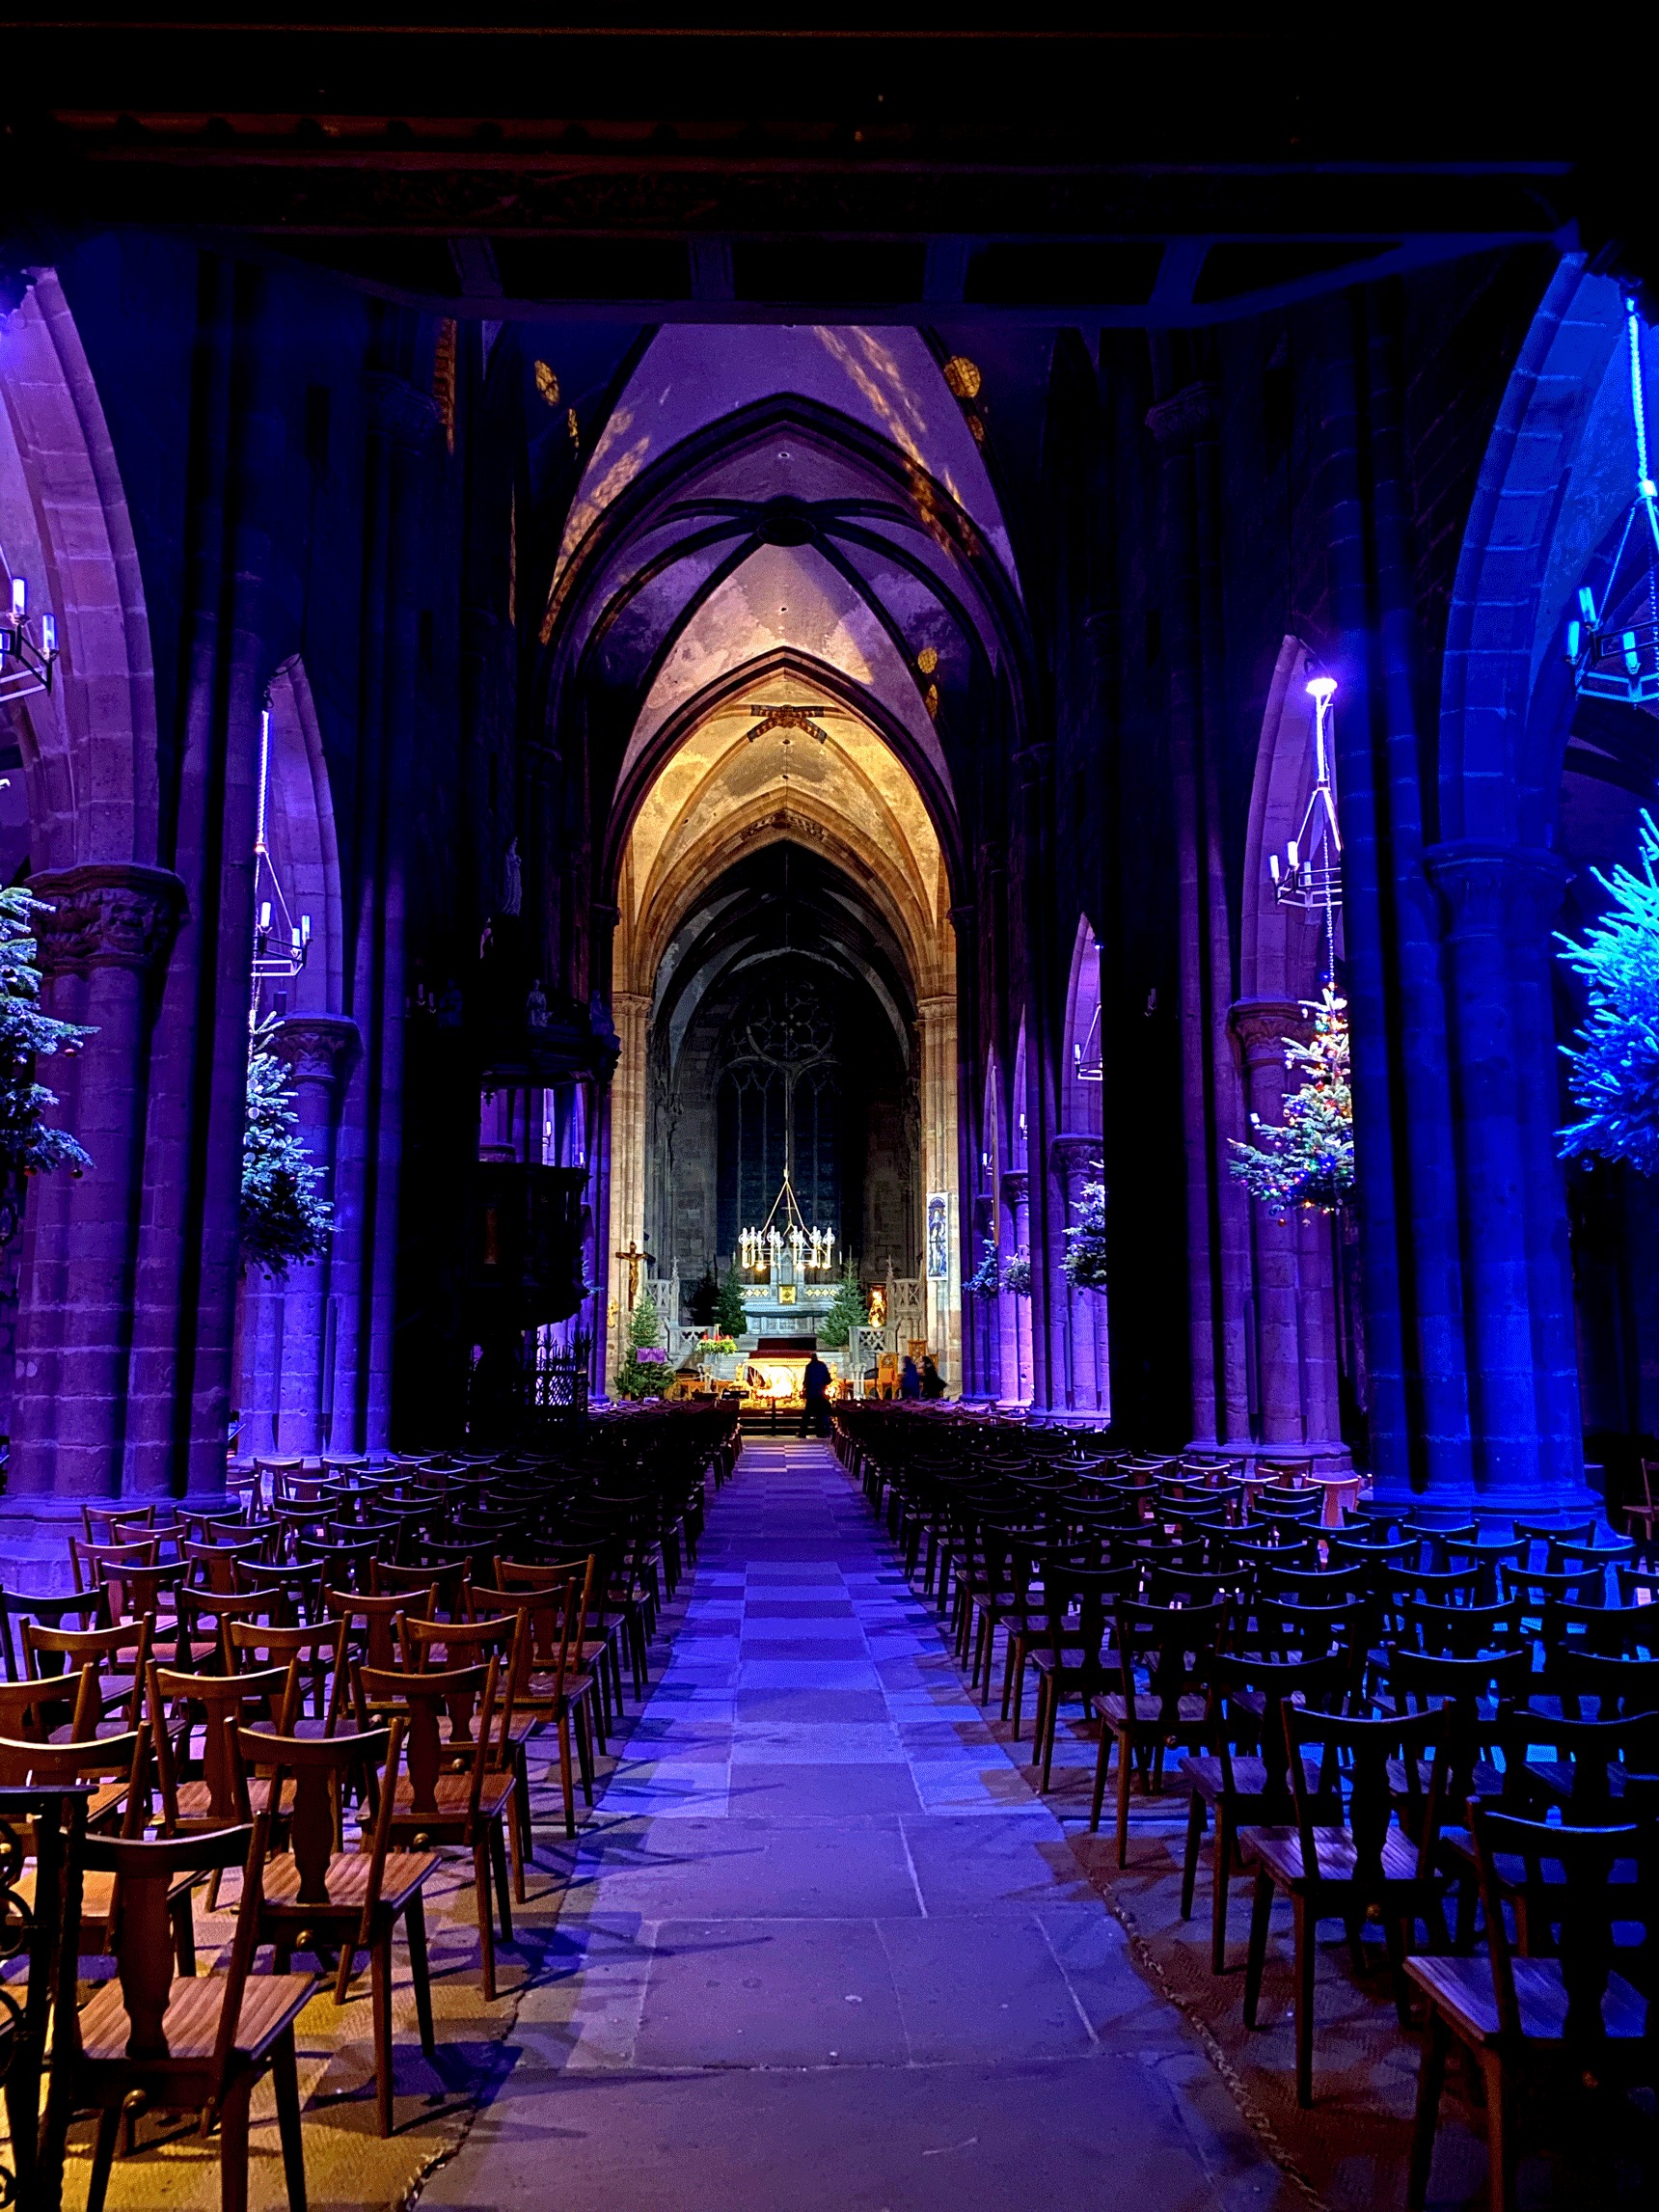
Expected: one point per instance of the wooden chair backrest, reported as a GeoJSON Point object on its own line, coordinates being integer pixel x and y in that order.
{"type": "Point", "coordinates": [1277, 1683]}
{"type": "Point", "coordinates": [420, 1700]}
{"type": "Point", "coordinates": [95, 1758]}
{"type": "Point", "coordinates": [49, 1653]}
{"type": "Point", "coordinates": [1355, 1750]}
{"type": "Point", "coordinates": [377, 1618]}
{"type": "Point", "coordinates": [550, 1617]}
{"type": "Point", "coordinates": [99, 1522]}
{"type": "Point", "coordinates": [1573, 1914]}
{"type": "Point", "coordinates": [340, 1563]}
{"type": "Point", "coordinates": [29, 1710]}
{"type": "Point", "coordinates": [1622, 1688]}
{"type": "Point", "coordinates": [221, 1698]}
{"type": "Point", "coordinates": [88, 1561]}
{"type": "Point", "coordinates": [213, 1565]}
{"type": "Point", "coordinates": [320, 1767]}
{"type": "Point", "coordinates": [447, 1576]}
{"type": "Point", "coordinates": [145, 1872]}
{"type": "Point", "coordinates": [1178, 1646]}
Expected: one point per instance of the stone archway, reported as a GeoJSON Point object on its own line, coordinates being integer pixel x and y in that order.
{"type": "Point", "coordinates": [89, 753]}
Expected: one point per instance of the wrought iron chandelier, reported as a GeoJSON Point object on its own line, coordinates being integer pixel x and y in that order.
{"type": "Point", "coordinates": [760, 1251]}
{"type": "Point", "coordinates": [1613, 649]}
{"type": "Point", "coordinates": [27, 662]}
{"type": "Point", "coordinates": [281, 943]}
{"type": "Point", "coordinates": [1310, 876]}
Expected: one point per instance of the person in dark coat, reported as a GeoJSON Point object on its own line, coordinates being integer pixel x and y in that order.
{"type": "Point", "coordinates": [815, 1389]}
{"type": "Point", "coordinates": [932, 1381]}
{"type": "Point", "coordinates": [910, 1378]}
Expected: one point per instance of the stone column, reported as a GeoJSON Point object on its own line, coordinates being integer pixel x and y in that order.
{"type": "Point", "coordinates": [1018, 1379]}
{"type": "Point", "coordinates": [1498, 901]}
{"type": "Point", "coordinates": [106, 937]}
{"type": "Point", "coordinates": [292, 1328]}
{"type": "Point", "coordinates": [631, 1011]}
{"type": "Point", "coordinates": [1076, 1161]}
{"type": "Point", "coordinates": [938, 1084]}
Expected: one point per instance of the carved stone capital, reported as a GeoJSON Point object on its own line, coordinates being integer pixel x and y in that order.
{"type": "Point", "coordinates": [1076, 1157]}
{"type": "Point", "coordinates": [1016, 1187]}
{"type": "Point", "coordinates": [318, 1048]}
{"type": "Point", "coordinates": [407, 416]}
{"type": "Point", "coordinates": [1261, 1025]}
{"type": "Point", "coordinates": [1496, 891]}
{"type": "Point", "coordinates": [1184, 416]}
{"type": "Point", "coordinates": [107, 913]}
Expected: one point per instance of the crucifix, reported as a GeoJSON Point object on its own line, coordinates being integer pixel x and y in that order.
{"type": "Point", "coordinates": [634, 1259]}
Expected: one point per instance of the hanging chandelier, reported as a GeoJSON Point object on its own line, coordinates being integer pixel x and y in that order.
{"type": "Point", "coordinates": [27, 662]}
{"type": "Point", "coordinates": [760, 1251]}
{"type": "Point", "coordinates": [1613, 649]}
{"type": "Point", "coordinates": [1310, 876]}
{"type": "Point", "coordinates": [281, 943]}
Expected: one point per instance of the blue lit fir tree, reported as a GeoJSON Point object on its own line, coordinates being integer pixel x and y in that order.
{"type": "Point", "coordinates": [1307, 1161]}
{"type": "Point", "coordinates": [285, 1219]}
{"type": "Point", "coordinates": [1613, 1062]}
{"type": "Point", "coordinates": [29, 1145]}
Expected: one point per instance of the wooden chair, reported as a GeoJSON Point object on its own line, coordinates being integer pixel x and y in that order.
{"type": "Point", "coordinates": [1340, 1872]}
{"type": "Point", "coordinates": [117, 1767]}
{"type": "Point", "coordinates": [101, 1523]}
{"type": "Point", "coordinates": [470, 1644]}
{"type": "Point", "coordinates": [178, 2041]}
{"type": "Point", "coordinates": [89, 1562]}
{"type": "Point", "coordinates": [1176, 1647]}
{"type": "Point", "coordinates": [213, 1800]}
{"type": "Point", "coordinates": [1070, 1644]}
{"type": "Point", "coordinates": [452, 1794]}
{"type": "Point", "coordinates": [550, 1685]}
{"type": "Point", "coordinates": [118, 1656]}
{"type": "Point", "coordinates": [1541, 2029]}
{"type": "Point", "coordinates": [354, 1899]}
{"type": "Point", "coordinates": [318, 1650]}
{"type": "Point", "coordinates": [447, 1576]}
{"type": "Point", "coordinates": [20, 1605]}
{"type": "Point", "coordinates": [1249, 1694]}
{"type": "Point", "coordinates": [66, 1706]}
{"type": "Point", "coordinates": [605, 1641]}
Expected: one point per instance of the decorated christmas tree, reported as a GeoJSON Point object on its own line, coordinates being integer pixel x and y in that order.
{"type": "Point", "coordinates": [847, 1311]}
{"type": "Point", "coordinates": [1085, 1260]}
{"type": "Point", "coordinates": [284, 1217]}
{"type": "Point", "coordinates": [28, 1146]}
{"type": "Point", "coordinates": [639, 1377]}
{"type": "Point", "coordinates": [1613, 1062]}
{"type": "Point", "coordinates": [1307, 1161]}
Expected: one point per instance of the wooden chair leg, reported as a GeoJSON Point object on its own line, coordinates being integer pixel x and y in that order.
{"type": "Point", "coordinates": [564, 1778]}
{"type": "Point", "coordinates": [1430, 2081]}
{"type": "Point", "coordinates": [1220, 1881]}
{"type": "Point", "coordinates": [486, 1918]}
{"type": "Point", "coordinates": [1500, 2144]}
{"type": "Point", "coordinates": [1050, 1726]}
{"type": "Point", "coordinates": [498, 1860]}
{"type": "Point", "coordinates": [524, 1837]}
{"type": "Point", "coordinates": [185, 1932]}
{"type": "Point", "coordinates": [380, 1983]}
{"type": "Point", "coordinates": [347, 1969]}
{"type": "Point", "coordinates": [1305, 1958]}
{"type": "Point", "coordinates": [103, 2156]}
{"type": "Point", "coordinates": [1100, 1762]}
{"type": "Point", "coordinates": [1125, 1770]}
{"type": "Point", "coordinates": [1197, 1822]}
{"type": "Point", "coordinates": [1256, 1958]}
{"type": "Point", "coordinates": [286, 2081]}
{"type": "Point", "coordinates": [234, 2147]}
{"type": "Point", "coordinates": [415, 1929]}
{"type": "Point", "coordinates": [585, 1751]}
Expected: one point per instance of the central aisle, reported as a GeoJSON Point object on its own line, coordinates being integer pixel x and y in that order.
{"type": "Point", "coordinates": [822, 1948]}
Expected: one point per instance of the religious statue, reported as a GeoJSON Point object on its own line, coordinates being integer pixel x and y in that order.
{"type": "Point", "coordinates": [512, 880]}
{"type": "Point", "coordinates": [536, 1007]}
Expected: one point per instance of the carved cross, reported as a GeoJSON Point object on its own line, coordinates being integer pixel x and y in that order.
{"type": "Point", "coordinates": [635, 1260]}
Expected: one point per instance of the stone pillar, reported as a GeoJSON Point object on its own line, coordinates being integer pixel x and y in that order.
{"type": "Point", "coordinates": [107, 936]}
{"type": "Point", "coordinates": [1076, 1161]}
{"type": "Point", "coordinates": [292, 1330]}
{"type": "Point", "coordinates": [629, 1011]}
{"type": "Point", "coordinates": [1183, 425]}
{"type": "Point", "coordinates": [1292, 1280]}
{"type": "Point", "coordinates": [939, 1096]}
{"type": "Point", "coordinates": [1497, 901]}
{"type": "Point", "coordinates": [1017, 1380]}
